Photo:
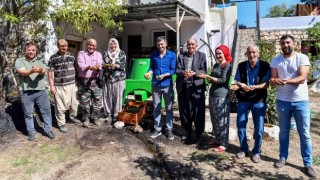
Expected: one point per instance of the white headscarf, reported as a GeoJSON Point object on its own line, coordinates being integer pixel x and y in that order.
{"type": "Point", "coordinates": [113, 55]}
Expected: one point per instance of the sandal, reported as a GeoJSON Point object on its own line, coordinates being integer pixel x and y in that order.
{"type": "Point", "coordinates": [219, 149]}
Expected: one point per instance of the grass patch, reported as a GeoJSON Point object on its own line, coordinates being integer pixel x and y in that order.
{"type": "Point", "coordinates": [31, 170]}
{"type": "Point", "coordinates": [21, 162]}
{"type": "Point", "coordinates": [316, 160]}
{"type": "Point", "coordinates": [54, 150]}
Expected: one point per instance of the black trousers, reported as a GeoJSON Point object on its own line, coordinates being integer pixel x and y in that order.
{"type": "Point", "coordinates": [192, 108]}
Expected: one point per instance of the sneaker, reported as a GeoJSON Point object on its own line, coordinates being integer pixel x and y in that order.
{"type": "Point", "coordinates": [241, 155]}
{"type": "Point", "coordinates": [31, 136]}
{"type": "Point", "coordinates": [256, 158]}
{"type": "Point", "coordinates": [280, 163]}
{"type": "Point", "coordinates": [310, 171]}
{"type": "Point", "coordinates": [186, 137]}
{"type": "Point", "coordinates": [50, 135]}
{"type": "Point", "coordinates": [170, 135]}
{"type": "Point", "coordinates": [155, 134]}
{"type": "Point", "coordinates": [75, 120]}
{"type": "Point", "coordinates": [63, 128]}
{"type": "Point", "coordinates": [86, 122]}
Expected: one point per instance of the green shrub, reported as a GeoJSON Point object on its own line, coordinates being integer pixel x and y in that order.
{"type": "Point", "coordinates": [267, 53]}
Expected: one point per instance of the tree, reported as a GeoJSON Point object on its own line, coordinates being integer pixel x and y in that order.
{"type": "Point", "coordinates": [81, 13]}
{"type": "Point", "coordinates": [314, 34]}
{"type": "Point", "coordinates": [281, 11]}
{"type": "Point", "coordinates": [23, 21]}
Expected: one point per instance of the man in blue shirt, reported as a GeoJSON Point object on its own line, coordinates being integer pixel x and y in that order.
{"type": "Point", "coordinates": [252, 80]}
{"type": "Point", "coordinates": [162, 68]}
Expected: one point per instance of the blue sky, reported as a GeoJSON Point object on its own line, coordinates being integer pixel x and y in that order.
{"type": "Point", "coordinates": [247, 10]}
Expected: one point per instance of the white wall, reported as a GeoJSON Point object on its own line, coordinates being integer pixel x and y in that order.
{"type": "Point", "coordinates": [216, 19]}
{"type": "Point", "coordinates": [189, 28]}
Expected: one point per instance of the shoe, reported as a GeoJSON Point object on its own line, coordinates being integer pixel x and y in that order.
{"type": "Point", "coordinates": [50, 135]}
{"type": "Point", "coordinates": [170, 135]}
{"type": "Point", "coordinates": [155, 134]}
{"type": "Point", "coordinates": [310, 171]}
{"type": "Point", "coordinates": [198, 139]}
{"type": "Point", "coordinates": [75, 120]}
{"type": "Point", "coordinates": [31, 136]}
{"type": "Point", "coordinates": [186, 137]}
{"type": "Point", "coordinates": [220, 149]}
{"type": "Point", "coordinates": [280, 163]}
{"type": "Point", "coordinates": [215, 143]}
{"type": "Point", "coordinates": [86, 122]}
{"type": "Point", "coordinates": [241, 155]}
{"type": "Point", "coordinates": [63, 128]}
{"type": "Point", "coordinates": [256, 158]}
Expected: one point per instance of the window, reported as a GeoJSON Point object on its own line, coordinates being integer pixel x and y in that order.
{"type": "Point", "coordinates": [171, 38]}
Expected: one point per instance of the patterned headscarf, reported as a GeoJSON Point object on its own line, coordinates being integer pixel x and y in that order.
{"type": "Point", "coordinates": [113, 54]}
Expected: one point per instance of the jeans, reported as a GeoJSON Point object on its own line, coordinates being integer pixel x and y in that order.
{"type": "Point", "coordinates": [167, 93]}
{"type": "Point", "coordinates": [28, 99]}
{"type": "Point", "coordinates": [301, 113]}
{"type": "Point", "coordinates": [258, 110]}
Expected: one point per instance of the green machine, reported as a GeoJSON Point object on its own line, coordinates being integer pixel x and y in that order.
{"type": "Point", "coordinates": [137, 83]}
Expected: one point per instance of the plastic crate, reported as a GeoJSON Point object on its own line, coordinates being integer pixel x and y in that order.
{"type": "Point", "coordinates": [132, 118]}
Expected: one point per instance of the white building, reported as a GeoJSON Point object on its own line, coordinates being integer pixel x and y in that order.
{"type": "Point", "coordinates": [178, 20]}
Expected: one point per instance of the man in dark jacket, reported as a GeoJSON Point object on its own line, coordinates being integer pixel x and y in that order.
{"type": "Point", "coordinates": [252, 80]}
{"type": "Point", "coordinates": [191, 66]}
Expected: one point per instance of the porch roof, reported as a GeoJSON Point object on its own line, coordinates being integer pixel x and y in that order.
{"type": "Point", "coordinates": [165, 10]}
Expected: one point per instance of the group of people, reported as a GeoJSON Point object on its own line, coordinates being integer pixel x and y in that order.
{"type": "Point", "coordinates": [101, 77]}
{"type": "Point", "coordinates": [89, 82]}
{"type": "Point", "coordinates": [288, 72]}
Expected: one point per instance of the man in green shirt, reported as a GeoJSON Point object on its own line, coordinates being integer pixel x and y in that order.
{"type": "Point", "coordinates": [33, 90]}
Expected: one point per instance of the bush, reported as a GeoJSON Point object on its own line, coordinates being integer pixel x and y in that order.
{"type": "Point", "coordinates": [267, 53]}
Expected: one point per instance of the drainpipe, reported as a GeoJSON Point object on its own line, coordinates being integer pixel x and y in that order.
{"type": "Point", "coordinates": [258, 18]}
{"type": "Point", "coordinates": [178, 30]}
{"type": "Point", "coordinates": [223, 23]}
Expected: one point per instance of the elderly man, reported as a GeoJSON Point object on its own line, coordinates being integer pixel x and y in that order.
{"type": "Point", "coordinates": [62, 76]}
{"type": "Point", "coordinates": [162, 67]}
{"type": "Point", "coordinates": [289, 72]}
{"type": "Point", "coordinates": [32, 87]}
{"type": "Point", "coordinates": [191, 89]}
{"type": "Point", "coordinates": [252, 78]}
{"type": "Point", "coordinates": [89, 64]}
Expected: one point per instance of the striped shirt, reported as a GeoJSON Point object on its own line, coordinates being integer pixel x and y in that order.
{"type": "Point", "coordinates": [64, 69]}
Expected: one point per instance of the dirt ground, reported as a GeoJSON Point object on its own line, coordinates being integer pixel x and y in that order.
{"type": "Point", "coordinates": [108, 153]}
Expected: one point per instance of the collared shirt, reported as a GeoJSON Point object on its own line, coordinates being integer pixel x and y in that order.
{"type": "Point", "coordinates": [84, 60]}
{"type": "Point", "coordinates": [159, 66]}
{"type": "Point", "coordinates": [34, 81]}
{"type": "Point", "coordinates": [63, 68]}
{"type": "Point", "coordinates": [252, 74]}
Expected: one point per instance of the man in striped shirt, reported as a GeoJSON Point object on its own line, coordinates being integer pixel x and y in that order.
{"type": "Point", "coordinates": [62, 76]}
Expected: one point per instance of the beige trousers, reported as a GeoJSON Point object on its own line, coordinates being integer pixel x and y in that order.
{"type": "Point", "coordinates": [66, 99]}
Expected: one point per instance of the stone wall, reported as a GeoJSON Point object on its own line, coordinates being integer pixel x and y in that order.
{"type": "Point", "coordinates": [275, 35]}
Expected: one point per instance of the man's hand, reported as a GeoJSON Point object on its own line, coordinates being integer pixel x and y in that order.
{"type": "Point", "coordinates": [147, 75]}
{"type": "Point", "coordinates": [53, 90]}
{"type": "Point", "coordinates": [93, 68]}
{"type": "Point", "coordinates": [277, 81]}
{"type": "Point", "coordinates": [188, 73]}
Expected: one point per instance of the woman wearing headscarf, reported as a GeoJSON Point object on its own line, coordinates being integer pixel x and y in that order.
{"type": "Point", "coordinates": [219, 97]}
{"type": "Point", "coordinates": [114, 79]}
